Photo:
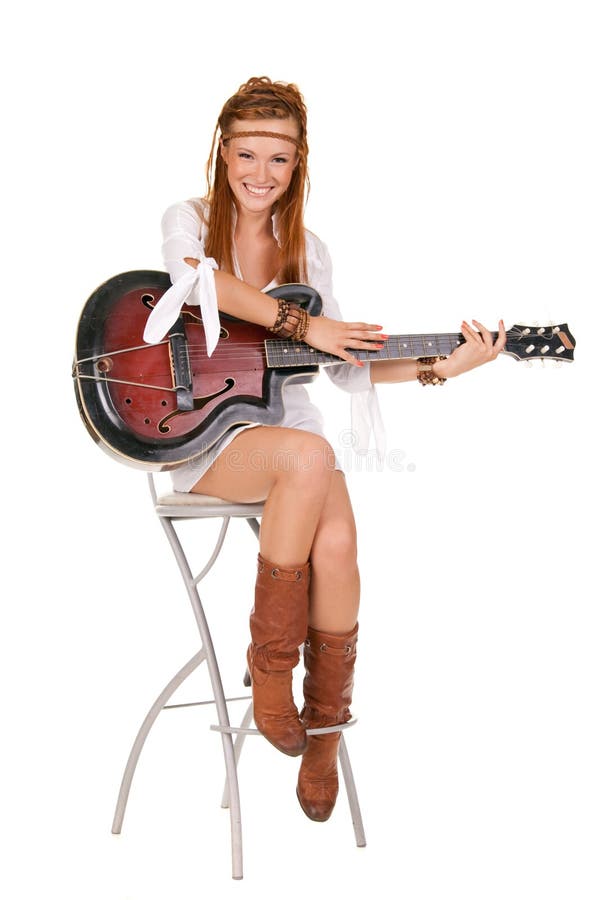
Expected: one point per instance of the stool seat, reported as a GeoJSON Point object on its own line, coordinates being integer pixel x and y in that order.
{"type": "Point", "coordinates": [180, 505]}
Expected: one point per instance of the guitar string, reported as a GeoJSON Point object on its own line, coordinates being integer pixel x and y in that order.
{"type": "Point", "coordinates": [244, 351]}
{"type": "Point", "coordinates": [274, 344]}
{"type": "Point", "coordinates": [451, 337]}
{"type": "Point", "coordinates": [250, 351]}
{"type": "Point", "coordinates": [224, 349]}
{"type": "Point", "coordinates": [216, 371]}
{"type": "Point", "coordinates": [229, 355]}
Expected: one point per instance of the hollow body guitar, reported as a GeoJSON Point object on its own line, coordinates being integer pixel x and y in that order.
{"type": "Point", "coordinates": [155, 406]}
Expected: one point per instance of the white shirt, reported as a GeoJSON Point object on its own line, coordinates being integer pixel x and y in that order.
{"type": "Point", "coordinates": [184, 234]}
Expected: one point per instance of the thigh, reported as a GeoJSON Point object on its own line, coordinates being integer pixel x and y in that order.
{"type": "Point", "coordinates": [247, 469]}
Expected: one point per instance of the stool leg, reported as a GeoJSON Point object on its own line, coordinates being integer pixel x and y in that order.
{"type": "Point", "coordinates": [216, 686]}
{"type": "Point", "coordinates": [354, 806]}
{"type": "Point", "coordinates": [238, 742]}
{"type": "Point", "coordinates": [146, 726]}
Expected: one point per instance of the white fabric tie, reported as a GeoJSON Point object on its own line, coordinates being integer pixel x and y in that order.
{"type": "Point", "coordinates": [196, 288]}
{"type": "Point", "coordinates": [366, 419]}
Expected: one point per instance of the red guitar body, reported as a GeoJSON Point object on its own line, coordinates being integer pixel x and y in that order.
{"type": "Point", "coordinates": [129, 392]}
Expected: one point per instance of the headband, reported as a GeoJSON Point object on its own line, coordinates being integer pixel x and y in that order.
{"type": "Point", "coordinates": [271, 134]}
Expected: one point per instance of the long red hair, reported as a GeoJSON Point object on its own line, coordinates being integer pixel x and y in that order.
{"type": "Point", "coordinates": [260, 98]}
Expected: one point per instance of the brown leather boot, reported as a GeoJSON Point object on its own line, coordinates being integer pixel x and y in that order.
{"type": "Point", "coordinates": [328, 685]}
{"type": "Point", "coordinates": [278, 626]}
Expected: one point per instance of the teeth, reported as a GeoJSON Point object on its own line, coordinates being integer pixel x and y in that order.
{"type": "Point", "coordinates": [256, 190]}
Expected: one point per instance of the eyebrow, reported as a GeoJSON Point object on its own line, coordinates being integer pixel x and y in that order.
{"type": "Point", "coordinates": [279, 153]}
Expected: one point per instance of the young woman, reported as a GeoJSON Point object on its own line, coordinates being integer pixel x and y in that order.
{"type": "Point", "coordinates": [223, 252]}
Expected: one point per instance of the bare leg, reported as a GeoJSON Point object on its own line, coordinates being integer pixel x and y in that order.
{"type": "Point", "coordinates": [291, 470]}
{"type": "Point", "coordinates": [335, 584]}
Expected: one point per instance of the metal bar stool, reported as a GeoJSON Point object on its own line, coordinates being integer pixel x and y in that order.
{"type": "Point", "coordinates": [179, 507]}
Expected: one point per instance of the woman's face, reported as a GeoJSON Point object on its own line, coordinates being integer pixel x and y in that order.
{"type": "Point", "coordinates": [260, 168]}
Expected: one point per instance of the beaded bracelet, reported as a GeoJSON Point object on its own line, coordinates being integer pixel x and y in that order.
{"type": "Point", "coordinates": [283, 310]}
{"type": "Point", "coordinates": [291, 322]}
{"type": "Point", "coordinates": [301, 329]}
{"type": "Point", "coordinates": [425, 374]}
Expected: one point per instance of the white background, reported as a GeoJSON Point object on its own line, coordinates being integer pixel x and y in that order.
{"type": "Point", "coordinates": [455, 163]}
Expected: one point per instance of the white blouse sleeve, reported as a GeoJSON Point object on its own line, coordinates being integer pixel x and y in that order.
{"type": "Point", "coordinates": [366, 418]}
{"type": "Point", "coordinates": [181, 226]}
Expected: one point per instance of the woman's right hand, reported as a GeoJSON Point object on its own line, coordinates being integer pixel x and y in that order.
{"type": "Point", "coordinates": [333, 336]}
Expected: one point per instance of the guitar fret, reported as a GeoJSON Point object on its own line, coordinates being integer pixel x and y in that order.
{"type": "Point", "coordinates": [287, 354]}
{"type": "Point", "coordinates": [405, 351]}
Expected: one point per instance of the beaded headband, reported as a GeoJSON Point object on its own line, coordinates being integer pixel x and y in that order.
{"type": "Point", "coordinates": [271, 134]}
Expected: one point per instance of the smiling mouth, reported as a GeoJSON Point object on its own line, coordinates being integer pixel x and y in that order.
{"type": "Point", "coordinates": [256, 191]}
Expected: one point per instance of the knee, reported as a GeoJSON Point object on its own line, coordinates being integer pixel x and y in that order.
{"type": "Point", "coordinates": [335, 546]}
{"type": "Point", "coordinates": [305, 458]}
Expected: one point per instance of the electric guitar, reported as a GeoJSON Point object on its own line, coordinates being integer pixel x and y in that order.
{"type": "Point", "coordinates": [155, 406]}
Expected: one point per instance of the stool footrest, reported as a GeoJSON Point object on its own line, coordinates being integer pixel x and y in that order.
{"type": "Point", "coordinates": [329, 729]}
{"type": "Point", "coordinates": [204, 702]}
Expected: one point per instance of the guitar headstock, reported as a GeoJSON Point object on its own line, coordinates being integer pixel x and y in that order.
{"type": "Point", "coordinates": [540, 342]}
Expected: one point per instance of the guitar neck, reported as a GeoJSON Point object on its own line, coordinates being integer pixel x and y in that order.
{"type": "Point", "coordinates": [398, 346]}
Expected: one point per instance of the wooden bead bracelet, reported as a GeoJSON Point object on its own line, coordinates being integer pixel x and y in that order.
{"type": "Point", "coordinates": [425, 374]}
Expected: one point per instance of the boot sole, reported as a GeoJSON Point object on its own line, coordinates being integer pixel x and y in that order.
{"type": "Point", "coordinates": [297, 752]}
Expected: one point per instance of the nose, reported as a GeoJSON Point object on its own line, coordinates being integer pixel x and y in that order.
{"type": "Point", "coordinates": [261, 170]}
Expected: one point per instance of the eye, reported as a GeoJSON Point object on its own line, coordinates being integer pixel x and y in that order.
{"type": "Point", "coordinates": [280, 159]}
{"type": "Point", "coordinates": [242, 154]}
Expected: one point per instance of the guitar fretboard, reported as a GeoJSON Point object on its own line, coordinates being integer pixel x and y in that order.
{"type": "Point", "coordinates": [281, 353]}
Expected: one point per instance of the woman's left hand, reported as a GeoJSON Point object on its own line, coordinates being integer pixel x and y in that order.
{"type": "Point", "coordinates": [479, 348]}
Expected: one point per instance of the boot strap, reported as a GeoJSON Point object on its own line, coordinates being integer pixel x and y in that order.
{"type": "Point", "coordinates": [281, 574]}
{"type": "Point", "coordinates": [347, 650]}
